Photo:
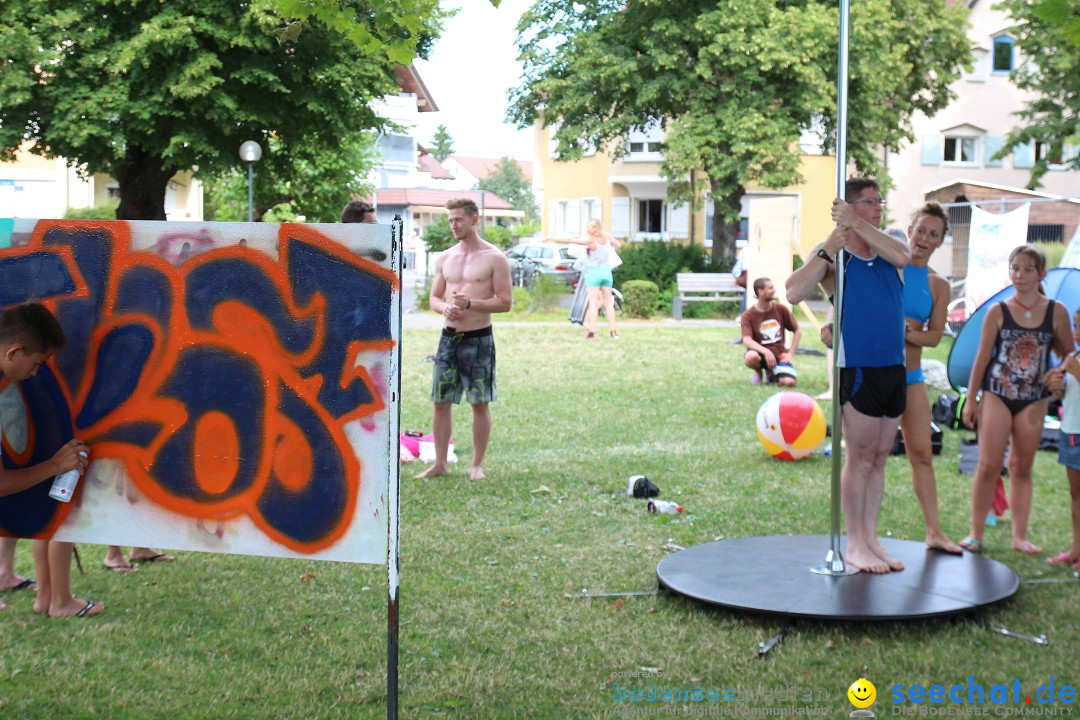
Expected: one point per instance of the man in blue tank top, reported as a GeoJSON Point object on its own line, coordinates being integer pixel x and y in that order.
{"type": "Point", "coordinates": [870, 353]}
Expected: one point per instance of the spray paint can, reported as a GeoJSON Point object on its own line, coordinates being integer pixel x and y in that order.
{"type": "Point", "coordinates": [63, 487]}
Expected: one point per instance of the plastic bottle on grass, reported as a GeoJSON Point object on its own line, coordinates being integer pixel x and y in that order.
{"type": "Point", "coordinates": [666, 507]}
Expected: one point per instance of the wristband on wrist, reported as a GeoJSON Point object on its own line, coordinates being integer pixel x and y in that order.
{"type": "Point", "coordinates": [824, 255]}
{"type": "Point", "coordinates": [468, 303]}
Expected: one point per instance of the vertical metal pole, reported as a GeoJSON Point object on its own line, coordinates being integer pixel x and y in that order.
{"type": "Point", "coordinates": [834, 560]}
{"type": "Point", "coordinates": [393, 505]}
{"type": "Point", "coordinates": [251, 192]}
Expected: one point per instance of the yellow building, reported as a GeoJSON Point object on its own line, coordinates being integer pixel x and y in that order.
{"type": "Point", "coordinates": [37, 187]}
{"type": "Point", "coordinates": [628, 195]}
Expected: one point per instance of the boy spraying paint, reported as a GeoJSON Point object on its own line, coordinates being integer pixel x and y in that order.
{"type": "Point", "coordinates": [29, 336]}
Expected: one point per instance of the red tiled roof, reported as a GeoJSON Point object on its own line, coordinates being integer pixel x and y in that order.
{"type": "Point", "coordinates": [480, 168]}
{"type": "Point", "coordinates": [436, 198]}
{"type": "Point", "coordinates": [429, 164]}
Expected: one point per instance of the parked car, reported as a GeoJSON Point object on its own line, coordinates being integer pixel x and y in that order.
{"type": "Point", "coordinates": [556, 260]}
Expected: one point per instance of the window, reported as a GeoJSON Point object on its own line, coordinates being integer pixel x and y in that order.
{"type": "Point", "coordinates": [1003, 54]}
{"type": "Point", "coordinates": [651, 216]}
{"type": "Point", "coordinates": [961, 150]}
{"type": "Point", "coordinates": [1050, 152]}
{"type": "Point", "coordinates": [112, 193]}
{"type": "Point", "coordinates": [645, 143]}
{"type": "Point", "coordinates": [590, 209]}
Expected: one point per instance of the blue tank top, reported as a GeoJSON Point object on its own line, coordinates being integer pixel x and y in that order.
{"type": "Point", "coordinates": [918, 300]}
{"type": "Point", "coordinates": [872, 328]}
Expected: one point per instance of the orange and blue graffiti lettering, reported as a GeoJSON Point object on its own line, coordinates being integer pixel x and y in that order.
{"type": "Point", "coordinates": [223, 384]}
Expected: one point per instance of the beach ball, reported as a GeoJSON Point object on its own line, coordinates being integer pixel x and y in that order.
{"type": "Point", "coordinates": [790, 425]}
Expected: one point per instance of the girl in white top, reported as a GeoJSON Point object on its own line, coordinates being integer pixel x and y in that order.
{"type": "Point", "coordinates": [597, 276]}
{"type": "Point", "coordinates": [1064, 380]}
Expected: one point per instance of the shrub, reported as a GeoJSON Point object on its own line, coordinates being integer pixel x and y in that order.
{"type": "Point", "coordinates": [640, 298]}
{"type": "Point", "coordinates": [659, 262]}
{"type": "Point", "coordinates": [423, 298]}
{"type": "Point", "coordinates": [498, 236]}
{"type": "Point", "coordinates": [546, 291]}
{"type": "Point", "coordinates": [523, 300]}
{"type": "Point", "coordinates": [437, 235]}
{"type": "Point", "coordinates": [1054, 252]}
{"type": "Point", "coordinates": [101, 212]}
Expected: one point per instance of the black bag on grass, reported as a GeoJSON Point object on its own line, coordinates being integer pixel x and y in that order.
{"type": "Point", "coordinates": [937, 438]}
{"type": "Point", "coordinates": [947, 410]}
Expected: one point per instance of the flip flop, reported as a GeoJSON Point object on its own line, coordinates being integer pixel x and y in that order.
{"type": "Point", "coordinates": [159, 557]}
{"type": "Point", "coordinates": [120, 568]}
{"type": "Point", "coordinates": [972, 545]}
{"type": "Point", "coordinates": [90, 605]}
{"type": "Point", "coordinates": [25, 584]}
{"type": "Point", "coordinates": [1062, 559]}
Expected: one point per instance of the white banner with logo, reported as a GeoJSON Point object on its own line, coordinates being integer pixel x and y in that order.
{"type": "Point", "coordinates": [993, 237]}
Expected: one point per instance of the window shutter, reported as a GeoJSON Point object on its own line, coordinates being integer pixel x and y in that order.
{"type": "Point", "coordinates": [993, 144]}
{"type": "Point", "coordinates": [931, 150]}
{"type": "Point", "coordinates": [620, 217]}
{"type": "Point", "coordinates": [573, 218]}
{"type": "Point", "coordinates": [678, 221]}
{"type": "Point", "coordinates": [1024, 155]}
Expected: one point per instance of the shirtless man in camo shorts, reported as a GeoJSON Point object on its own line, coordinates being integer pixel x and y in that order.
{"type": "Point", "coordinates": [472, 280]}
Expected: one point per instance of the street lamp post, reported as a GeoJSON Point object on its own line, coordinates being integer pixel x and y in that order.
{"type": "Point", "coordinates": [250, 152]}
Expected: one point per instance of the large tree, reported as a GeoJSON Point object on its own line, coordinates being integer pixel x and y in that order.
{"type": "Point", "coordinates": [734, 84]}
{"type": "Point", "coordinates": [313, 184]}
{"type": "Point", "coordinates": [141, 90]}
{"type": "Point", "coordinates": [508, 181]}
{"type": "Point", "coordinates": [1048, 34]}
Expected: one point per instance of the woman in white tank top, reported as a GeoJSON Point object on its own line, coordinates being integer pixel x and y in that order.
{"type": "Point", "coordinates": [602, 258]}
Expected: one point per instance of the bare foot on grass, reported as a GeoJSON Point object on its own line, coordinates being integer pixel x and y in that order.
{"type": "Point", "coordinates": [78, 607]}
{"type": "Point", "coordinates": [18, 582]}
{"type": "Point", "coordinates": [477, 473]}
{"type": "Point", "coordinates": [433, 471]}
{"type": "Point", "coordinates": [149, 555]}
{"type": "Point", "coordinates": [1026, 547]}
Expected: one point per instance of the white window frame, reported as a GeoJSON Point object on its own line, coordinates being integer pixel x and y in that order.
{"type": "Point", "coordinates": [649, 140]}
{"type": "Point", "coordinates": [641, 235]}
{"type": "Point", "coordinates": [591, 207]}
{"type": "Point", "coordinates": [959, 138]}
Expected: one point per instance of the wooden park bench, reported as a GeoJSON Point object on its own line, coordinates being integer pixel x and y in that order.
{"type": "Point", "coordinates": [704, 287]}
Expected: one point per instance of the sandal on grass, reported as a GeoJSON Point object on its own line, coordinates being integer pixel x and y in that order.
{"type": "Point", "coordinates": [972, 545]}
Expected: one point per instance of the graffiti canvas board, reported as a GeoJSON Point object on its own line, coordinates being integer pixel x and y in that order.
{"type": "Point", "coordinates": [237, 384]}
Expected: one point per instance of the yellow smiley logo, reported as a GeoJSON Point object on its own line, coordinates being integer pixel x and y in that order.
{"type": "Point", "coordinates": [862, 693]}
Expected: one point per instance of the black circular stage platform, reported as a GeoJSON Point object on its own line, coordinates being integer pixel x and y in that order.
{"type": "Point", "coordinates": [772, 575]}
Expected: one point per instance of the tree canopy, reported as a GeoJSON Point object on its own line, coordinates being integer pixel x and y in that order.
{"type": "Point", "coordinates": [143, 90]}
{"type": "Point", "coordinates": [508, 181]}
{"type": "Point", "coordinates": [734, 84]}
{"type": "Point", "coordinates": [1048, 34]}
{"type": "Point", "coordinates": [314, 185]}
{"type": "Point", "coordinates": [442, 144]}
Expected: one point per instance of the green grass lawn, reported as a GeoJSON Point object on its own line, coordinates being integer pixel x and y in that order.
{"type": "Point", "coordinates": [490, 623]}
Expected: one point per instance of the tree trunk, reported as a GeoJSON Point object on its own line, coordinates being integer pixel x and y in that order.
{"type": "Point", "coordinates": [726, 214]}
{"type": "Point", "coordinates": [143, 181]}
